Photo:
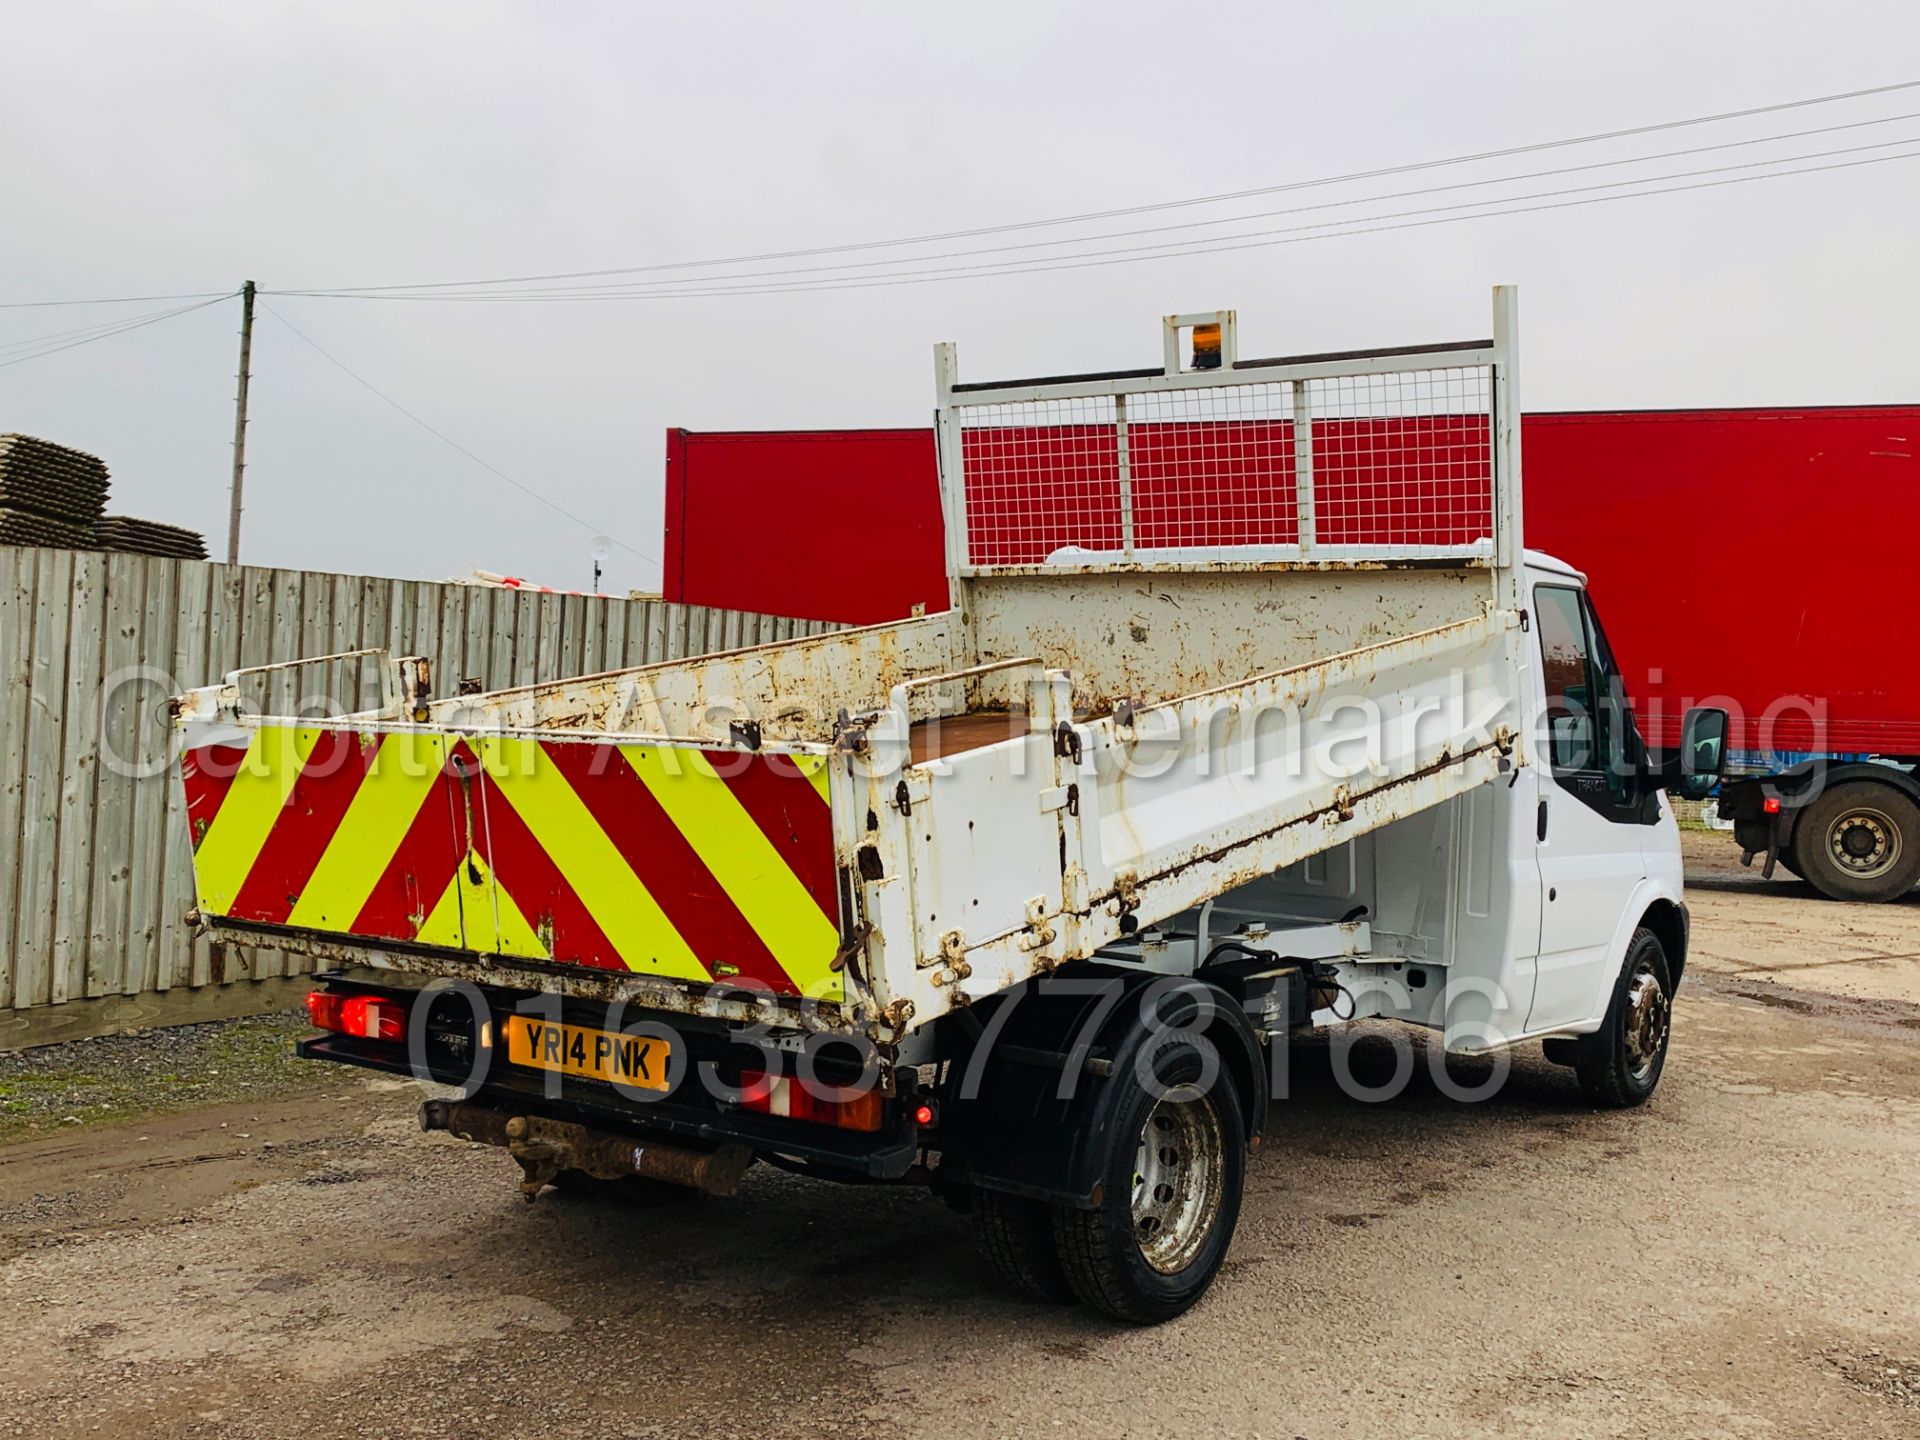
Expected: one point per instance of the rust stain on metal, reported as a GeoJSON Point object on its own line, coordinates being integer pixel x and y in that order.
{"type": "Point", "coordinates": [944, 735]}
{"type": "Point", "coordinates": [543, 1148]}
{"type": "Point", "coordinates": [646, 991]}
{"type": "Point", "coordinates": [850, 947]}
{"type": "Point", "coordinates": [1125, 892]}
{"type": "Point", "coordinates": [891, 1023]}
{"type": "Point", "coordinates": [1243, 567]}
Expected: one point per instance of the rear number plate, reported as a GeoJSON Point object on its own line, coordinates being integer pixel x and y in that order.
{"type": "Point", "coordinates": [637, 1061]}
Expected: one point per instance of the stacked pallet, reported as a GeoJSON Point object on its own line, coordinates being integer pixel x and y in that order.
{"type": "Point", "coordinates": [49, 494]}
{"type": "Point", "coordinates": [55, 495]}
{"type": "Point", "coordinates": [23, 527]}
{"type": "Point", "coordinates": [149, 537]}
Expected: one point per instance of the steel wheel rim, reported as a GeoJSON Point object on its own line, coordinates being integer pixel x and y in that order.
{"type": "Point", "coordinates": [1178, 1180]}
{"type": "Point", "coordinates": [1864, 842]}
{"type": "Point", "coordinates": [1647, 1017]}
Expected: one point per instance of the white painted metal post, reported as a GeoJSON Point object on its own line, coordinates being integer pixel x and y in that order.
{"type": "Point", "coordinates": [1172, 325]}
{"type": "Point", "coordinates": [1509, 545]}
{"type": "Point", "coordinates": [953, 498]}
{"type": "Point", "coordinates": [1126, 474]}
{"type": "Point", "coordinates": [1303, 465]}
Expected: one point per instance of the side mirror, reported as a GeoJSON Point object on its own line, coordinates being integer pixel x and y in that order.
{"type": "Point", "coordinates": [1694, 769]}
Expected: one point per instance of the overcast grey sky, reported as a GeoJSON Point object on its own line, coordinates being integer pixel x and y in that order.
{"type": "Point", "coordinates": [155, 148]}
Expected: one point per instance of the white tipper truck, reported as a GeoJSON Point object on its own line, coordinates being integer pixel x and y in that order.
{"type": "Point", "coordinates": [1249, 716]}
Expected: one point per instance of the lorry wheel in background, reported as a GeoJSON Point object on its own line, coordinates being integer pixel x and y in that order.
{"type": "Point", "coordinates": [1174, 1166]}
{"type": "Point", "coordinates": [1859, 841]}
{"type": "Point", "coordinates": [1017, 1236]}
{"type": "Point", "coordinates": [1620, 1063]}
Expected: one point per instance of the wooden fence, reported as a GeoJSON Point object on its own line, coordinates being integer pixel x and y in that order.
{"type": "Point", "coordinates": [98, 878]}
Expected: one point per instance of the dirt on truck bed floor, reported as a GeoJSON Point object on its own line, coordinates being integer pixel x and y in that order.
{"type": "Point", "coordinates": [1740, 1258]}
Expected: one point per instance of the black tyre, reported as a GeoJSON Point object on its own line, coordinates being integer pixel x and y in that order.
{"type": "Point", "coordinates": [1171, 1183]}
{"type": "Point", "coordinates": [1619, 1064]}
{"type": "Point", "coordinates": [1789, 861]}
{"type": "Point", "coordinates": [1859, 841]}
{"type": "Point", "coordinates": [1016, 1235]}
{"type": "Point", "coordinates": [634, 1190]}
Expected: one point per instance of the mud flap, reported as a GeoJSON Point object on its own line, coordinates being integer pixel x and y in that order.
{"type": "Point", "coordinates": [1031, 1088]}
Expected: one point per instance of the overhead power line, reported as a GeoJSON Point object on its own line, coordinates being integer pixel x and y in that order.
{"type": "Point", "coordinates": [448, 440]}
{"type": "Point", "coordinates": [1505, 205]}
{"type": "Point", "coordinates": [35, 342]}
{"type": "Point", "coordinates": [115, 300]}
{"type": "Point", "coordinates": [704, 284]}
{"type": "Point", "coordinates": [974, 232]}
{"type": "Point", "coordinates": [86, 335]}
{"type": "Point", "coordinates": [1082, 217]}
{"type": "Point", "coordinates": [580, 291]}
{"type": "Point", "coordinates": [1288, 235]}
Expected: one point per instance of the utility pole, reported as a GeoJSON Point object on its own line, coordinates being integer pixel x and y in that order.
{"type": "Point", "coordinates": [240, 420]}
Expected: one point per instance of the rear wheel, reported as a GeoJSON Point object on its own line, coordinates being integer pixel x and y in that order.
{"type": "Point", "coordinates": [1016, 1235]}
{"type": "Point", "coordinates": [1172, 1177]}
{"type": "Point", "coordinates": [1619, 1064]}
{"type": "Point", "coordinates": [1859, 841]}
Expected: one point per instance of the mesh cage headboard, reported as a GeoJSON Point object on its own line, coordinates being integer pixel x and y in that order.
{"type": "Point", "coordinates": [1405, 455]}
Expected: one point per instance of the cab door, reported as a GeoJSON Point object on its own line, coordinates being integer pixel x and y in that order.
{"type": "Point", "coordinates": [1591, 813]}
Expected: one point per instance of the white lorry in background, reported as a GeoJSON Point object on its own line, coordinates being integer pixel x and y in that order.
{"type": "Point", "coordinates": [1250, 716]}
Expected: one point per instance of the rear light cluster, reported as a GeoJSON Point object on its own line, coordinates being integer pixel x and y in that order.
{"type": "Point", "coordinates": [369, 1017]}
{"type": "Point", "coordinates": [1770, 805]}
{"type": "Point", "coordinates": [845, 1107]}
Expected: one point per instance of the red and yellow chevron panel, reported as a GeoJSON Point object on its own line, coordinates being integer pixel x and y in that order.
{"type": "Point", "coordinates": [662, 860]}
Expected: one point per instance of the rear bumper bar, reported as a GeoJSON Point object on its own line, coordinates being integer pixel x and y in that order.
{"type": "Point", "coordinates": [886, 1155]}
{"type": "Point", "coordinates": [544, 1148]}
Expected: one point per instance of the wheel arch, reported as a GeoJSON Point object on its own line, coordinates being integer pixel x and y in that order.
{"type": "Point", "coordinates": [1018, 1135]}
{"type": "Point", "coordinates": [1667, 919]}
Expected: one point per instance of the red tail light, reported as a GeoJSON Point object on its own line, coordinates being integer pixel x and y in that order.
{"type": "Point", "coordinates": [1770, 805]}
{"type": "Point", "coordinates": [369, 1017]}
{"type": "Point", "coordinates": [847, 1107]}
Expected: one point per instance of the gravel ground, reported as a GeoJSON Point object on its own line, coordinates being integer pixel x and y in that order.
{"type": "Point", "coordinates": [1739, 1258]}
{"type": "Point", "coordinates": [122, 1077]}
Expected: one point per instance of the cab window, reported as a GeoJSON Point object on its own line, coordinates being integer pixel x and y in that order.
{"type": "Point", "coordinates": [1591, 739]}
{"type": "Point", "coordinates": [1567, 666]}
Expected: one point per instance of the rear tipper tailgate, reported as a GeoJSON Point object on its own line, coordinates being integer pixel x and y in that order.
{"type": "Point", "coordinates": [658, 859]}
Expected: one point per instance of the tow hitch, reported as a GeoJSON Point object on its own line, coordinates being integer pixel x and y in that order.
{"type": "Point", "coordinates": [543, 1148]}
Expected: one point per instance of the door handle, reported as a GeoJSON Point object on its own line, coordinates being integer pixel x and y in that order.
{"type": "Point", "coordinates": [1540, 823]}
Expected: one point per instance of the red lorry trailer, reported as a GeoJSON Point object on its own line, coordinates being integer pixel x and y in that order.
{"type": "Point", "coordinates": [1786, 611]}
